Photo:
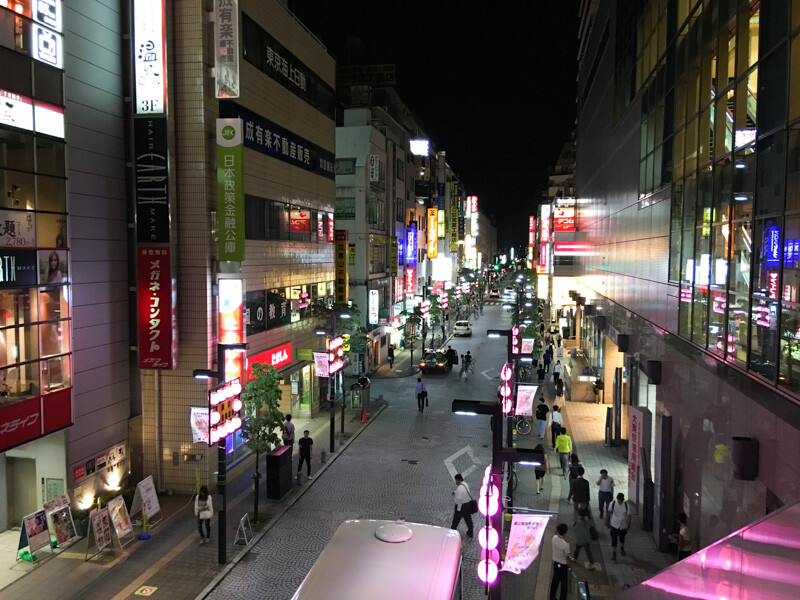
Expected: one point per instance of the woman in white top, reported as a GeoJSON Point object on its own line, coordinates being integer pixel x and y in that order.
{"type": "Point", "coordinates": [204, 510]}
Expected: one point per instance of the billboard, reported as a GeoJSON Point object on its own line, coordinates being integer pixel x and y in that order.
{"type": "Point", "coordinates": [433, 234]}
{"type": "Point", "coordinates": [563, 218]}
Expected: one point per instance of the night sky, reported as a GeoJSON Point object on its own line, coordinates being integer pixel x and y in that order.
{"type": "Point", "coordinates": [492, 82]}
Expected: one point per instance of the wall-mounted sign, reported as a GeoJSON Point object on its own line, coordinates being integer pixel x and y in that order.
{"type": "Point", "coordinates": [374, 307]}
{"type": "Point", "coordinates": [330, 228]}
{"type": "Point", "coordinates": [341, 261]}
{"type": "Point", "coordinates": [453, 217]}
{"type": "Point", "coordinates": [544, 223]}
{"type": "Point", "coordinates": [17, 268]}
{"type": "Point", "coordinates": [351, 254]}
{"type": "Point", "coordinates": [230, 189]}
{"type": "Point", "coordinates": [157, 317]}
{"type": "Point", "coordinates": [544, 258]}
{"type": "Point", "coordinates": [152, 185]}
{"type": "Point", "coordinates": [411, 245]}
{"type": "Point", "coordinates": [255, 312]}
{"type": "Point", "coordinates": [231, 324]}
{"type": "Point", "coordinates": [278, 308]}
{"type": "Point", "coordinates": [572, 249]}
{"type": "Point", "coordinates": [472, 204]}
{"type": "Point", "coordinates": [149, 72]}
{"type": "Point", "coordinates": [374, 168]}
{"type": "Point", "coordinates": [224, 406]}
{"type": "Point", "coordinates": [17, 229]}
{"type": "Point", "coordinates": [299, 221]}
{"type": "Point", "coordinates": [419, 147]}
{"type": "Point", "coordinates": [226, 48]}
{"type": "Point", "coordinates": [531, 230]}
{"type": "Point", "coordinates": [394, 256]}
{"type": "Point", "coordinates": [17, 110]}
{"type": "Point", "coordinates": [411, 280]}
{"type": "Point", "coordinates": [346, 208]}
{"type": "Point", "coordinates": [563, 218]}
{"type": "Point", "coordinates": [432, 232]}
{"type": "Point", "coordinates": [278, 357]}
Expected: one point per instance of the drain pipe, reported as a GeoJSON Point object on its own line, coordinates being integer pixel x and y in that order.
{"type": "Point", "coordinates": [159, 451]}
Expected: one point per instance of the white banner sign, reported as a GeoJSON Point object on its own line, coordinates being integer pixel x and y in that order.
{"type": "Point", "coordinates": [226, 48]}
{"type": "Point", "coordinates": [145, 500]}
{"type": "Point", "coordinates": [149, 72]}
{"type": "Point", "coordinates": [524, 540]}
{"type": "Point", "coordinates": [199, 416]}
{"type": "Point", "coordinates": [525, 395]}
{"type": "Point", "coordinates": [321, 363]}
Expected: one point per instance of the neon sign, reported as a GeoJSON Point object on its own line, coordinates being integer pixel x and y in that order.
{"type": "Point", "coordinates": [411, 277]}
{"type": "Point", "coordinates": [224, 406]}
{"type": "Point", "coordinates": [335, 355]}
{"type": "Point", "coordinates": [231, 326]}
{"type": "Point", "coordinates": [411, 245]}
{"type": "Point", "coordinates": [433, 247]}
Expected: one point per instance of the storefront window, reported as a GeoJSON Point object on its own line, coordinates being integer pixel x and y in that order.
{"type": "Point", "coordinates": [52, 194]}
{"type": "Point", "coordinates": [772, 90]}
{"type": "Point", "coordinates": [18, 344]}
{"type": "Point", "coordinates": [793, 170]}
{"type": "Point", "coordinates": [50, 157]}
{"type": "Point", "coordinates": [789, 375]}
{"type": "Point", "coordinates": [16, 150]}
{"type": "Point", "coordinates": [748, 37]}
{"type": "Point", "coordinates": [723, 181]}
{"type": "Point", "coordinates": [763, 337]}
{"type": "Point", "coordinates": [53, 303]}
{"type": "Point", "coordinates": [687, 255]}
{"type": "Point", "coordinates": [52, 230]}
{"type": "Point", "coordinates": [738, 310]}
{"type": "Point", "coordinates": [55, 338]}
{"type": "Point", "coordinates": [685, 312]}
{"type": "Point", "coordinates": [19, 192]}
{"type": "Point", "coordinates": [770, 174]}
{"type": "Point", "coordinates": [18, 382]}
{"type": "Point", "coordinates": [794, 78]}
{"type": "Point", "coordinates": [55, 373]}
{"type": "Point", "coordinates": [717, 337]}
{"type": "Point", "coordinates": [16, 308]}
{"type": "Point", "coordinates": [744, 183]}
{"type": "Point", "coordinates": [700, 315]}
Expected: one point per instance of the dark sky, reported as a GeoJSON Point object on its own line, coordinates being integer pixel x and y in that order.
{"type": "Point", "coordinates": [492, 82]}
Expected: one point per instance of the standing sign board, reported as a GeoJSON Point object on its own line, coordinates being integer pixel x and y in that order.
{"type": "Point", "coordinates": [230, 189]}
{"type": "Point", "coordinates": [145, 500]}
{"type": "Point", "coordinates": [100, 532]}
{"type": "Point", "coordinates": [120, 519]}
{"type": "Point", "coordinates": [35, 531]}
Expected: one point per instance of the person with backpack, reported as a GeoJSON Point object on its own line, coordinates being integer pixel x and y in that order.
{"type": "Point", "coordinates": [583, 537]}
{"type": "Point", "coordinates": [618, 518]}
{"type": "Point", "coordinates": [204, 510]}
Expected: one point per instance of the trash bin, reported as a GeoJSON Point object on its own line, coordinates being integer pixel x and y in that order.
{"type": "Point", "coordinates": [355, 395]}
{"type": "Point", "coordinates": [364, 382]}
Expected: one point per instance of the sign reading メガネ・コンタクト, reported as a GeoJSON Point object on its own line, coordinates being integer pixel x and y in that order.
{"type": "Point", "coordinates": [157, 318]}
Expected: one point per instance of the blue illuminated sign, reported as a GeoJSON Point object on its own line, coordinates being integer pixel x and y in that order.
{"type": "Point", "coordinates": [411, 246]}
{"type": "Point", "coordinates": [772, 246]}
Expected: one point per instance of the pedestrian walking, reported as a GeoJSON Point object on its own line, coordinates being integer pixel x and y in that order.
{"type": "Point", "coordinates": [618, 518]}
{"type": "Point", "coordinates": [583, 537]}
{"type": "Point", "coordinates": [288, 431]}
{"type": "Point", "coordinates": [204, 510]}
{"type": "Point", "coordinates": [462, 498]}
{"type": "Point", "coordinates": [605, 493]}
{"type": "Point", "coordinates": [579, 493]}
{"type": "Point", "coordinates": [558, 340]}
{"type": "Point", "coordinates": [305, 443]}
{"type": "Point", "coordinates": [556, 423]}
{"type": "Point", "coordinates": [541, 417]}
{"type": "Point", "coordinates": [390, 355]}
{"type": "Point", "coordinates": [540, 373]}
{"type": "Point", "coordinates": [422, 394]}
{"type": "Point", "coordinates": [682, 539]}
{"type": "Point", "coordinates": [540, 471]}
{"type": "Point", "coordinates": [560, 388]}
{"type": "Point", "coordinates": [452, 358]}
{"type": "Point", "coordinates": [574, 465]}
{"type": "Point", "coordinates": [557, 372]}
{"type": "Point", "coordinates": [564, 449]}
{"type": "Point", "coordinates": [546, 357]}
{"type": "Point", "coordinates": [561, 558]}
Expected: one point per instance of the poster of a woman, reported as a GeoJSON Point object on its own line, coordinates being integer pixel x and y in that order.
{"type": "Point", "coordinates": [52, 266]}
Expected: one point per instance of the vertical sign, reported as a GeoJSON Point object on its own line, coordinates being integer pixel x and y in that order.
{"type": "Point", "coordinates": [472, 203]}
{"type": "Point", "coordinates": [411, 245]}
{"type": "Point", "coordinates": [226, 48]}
{"type": "Point", "coordinates": [374, 168]}
{"type": "Point", "coordinates": [149, 73]}
{"type": "Point", "coordinates": [411, 279]}
{"type": "Point", "coordinates": [157, 318]}
{"type": "Point", "coordinates": [544, 223]}
{"type": "Point", "coordinates": [47, 43]}
{"type": "Point", "coordinates": [433, 233]}
{"type": "Point", "coordinates": [230, 189]}
{"type": "Point", "coordinates": [563, 218]}
{"type": "Point", "coordinates": [531, 230]}
{"type": "Point", "coordinates": [231, 325]}
{"type": "Point", "coordinates": [340, 251]}
{"type": "Point", "coordinates": [394, 256]}
{"type": "Point", "coordinates": [152, 184]}
{"type": "Point", "coordinates": [453, 217]}
{"type": "Point", "coordinates": [374, 307]}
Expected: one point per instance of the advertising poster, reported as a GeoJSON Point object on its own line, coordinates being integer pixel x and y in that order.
{"type": "Point", "coordinates": [53, 266]}
{"type": "Point", "coordinates": [119, 517]}
{"type": "Point", "coordinates": [157, 319]}
{"type": "Point", "coordinates": [525, 395]}
{"type": "Point", "coordinates": [524, 540]}
{"type": "Point", "coordinates": [57, 502]}
{"type": "Point", "coordinates": [321, 363]}
{"type": "Point", "coordinates": [230, 190]}
{"type": "Point", "coordinates": [145, 500]}
{"type": "Point", "coordinates": [226, 48]}
{"type": "Point", "coordinates": [199, 416]}
{"type": "Point", "coordinates": [527, 345]}
{"type": "Point", "coordinates": [17, 229]}
{"type": "Point", "coordinates": [63, 526]}
{"type": "Point", "coordinates": [101, 526]}
{"type": "Point", "coordinates": [36, 530]}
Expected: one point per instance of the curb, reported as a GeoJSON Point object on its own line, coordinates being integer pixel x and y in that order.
{"type": "Point", "coordinates": [238, 558]}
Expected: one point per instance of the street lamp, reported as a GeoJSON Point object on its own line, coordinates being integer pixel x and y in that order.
{"type": "Point", "coordinates": [219, 375]}
{"type": "Point", "coordinates": [332, 376]}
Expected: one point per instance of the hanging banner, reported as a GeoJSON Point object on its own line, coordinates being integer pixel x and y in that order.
{"type": "Point", "coordinates": [230, 189]}
{"type": "Point", "coordinates": [158, 323]}
{"type": "Point", "coordinates": [199, 422]}
{"type": "Point", "coordinates": [525, 395]}
{"type": "Point", "coordinates": [524, 540]}
{"type": "Point", "coordinates": [226, 48]}
{"type": "Point", "coordinates": [394, 256]}
{"type": "Point", "coordinates": [433, 232]}
{"type": "Point", "coordinates": [321, 363]}
{"type": "Point", "coordinates": [340, 252]}
{"type": "Point", "coordinates": [527, 345]}
{"type": "Point", "coordinates": [151, 182]}
{"type": "Point", "coordinates": [119, 517]}
{"type": "Point", "coordinates": [453, 218]}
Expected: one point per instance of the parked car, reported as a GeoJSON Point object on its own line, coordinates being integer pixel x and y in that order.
{"type": "Point", "coordinates": [494, 293]}
{"type": "Point", "coordinates": [462, 328]}
{"type": "Point", "coordinates": [433, 361]}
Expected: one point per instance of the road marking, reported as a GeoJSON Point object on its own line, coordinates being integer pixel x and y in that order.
{"type": "Point", "coordinates": [491, 373]}
{"type": "Point", "coordinates": [448, 462]}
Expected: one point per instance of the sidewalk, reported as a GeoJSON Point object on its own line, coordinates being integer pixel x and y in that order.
{"type": "Point", "coordinates": [171, 560]}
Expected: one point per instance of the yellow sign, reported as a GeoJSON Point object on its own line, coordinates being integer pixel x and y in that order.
{"type": "Point", "coordinates": [394, 256]}
{"type": "Point", "coordinates": [433, 232]}
{"type": "Point", "coordinates": [145, 590]}
{"type": "Point", "coordinates": [453, 217]}
{"type": "Point", "coordinates": [351, 259]}
{"type": "Point", "coordinates": [340, 252]}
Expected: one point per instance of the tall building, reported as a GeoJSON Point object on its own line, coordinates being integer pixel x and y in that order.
{"type": "Point", "coordinates": [687, 173]}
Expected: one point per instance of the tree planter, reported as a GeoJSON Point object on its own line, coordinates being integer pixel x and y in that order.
{"type": "Point", "coordinates": [279, 472]}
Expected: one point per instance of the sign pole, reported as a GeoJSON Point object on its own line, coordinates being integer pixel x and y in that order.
{"type": "Point", "coordinates": [222, 468]}
{"type": "Point", "coordinates": [332, 385]}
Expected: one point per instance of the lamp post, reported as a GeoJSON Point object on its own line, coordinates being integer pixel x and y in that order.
{"type": "Point", "coordinates": [332, 376]}
{"type": "Point", "coordinates": [222, 467]}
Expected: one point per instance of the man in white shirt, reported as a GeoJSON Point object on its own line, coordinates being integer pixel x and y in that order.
{"type": "Point", "coordinates": [421, 393]}
{"type": "Point", "coordinates": [618, 517]}
{"type": "Point", "coordinates": [462, 498]}
{"type": "Point", "coordinates": [605, 493]}
{"type": "Point", "coordinates": [557, 371]}
{"type": "Point", "coordinates": [561, 558]}
{"type": "Point", "coordinates": [556, 423]}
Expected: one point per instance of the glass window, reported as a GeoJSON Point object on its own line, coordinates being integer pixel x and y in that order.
{"type": "Point", "coordinates": [677, 154]}
{"type": "Point", "coordinates": [680, 101]}
{"type": "Point", "coordinates": [16, 308]}
{"type": "Point", "coordinates": [51, 194]}
{"type": "Point", "coordinates": [793, 171]}
{"type": "Point", "coordinates": [685, 312]}
{"type": "Point", "coordinates": [18, 344]}
{"type": "Point", "coordinates": [704, 199]}
{"type": "Point", "coordinates": [723, 115]}
{"type": "Point", "coordinates": [16, 150]}
{"type": "Point", "coordinates": [19, 190]}
{"type": "Point", "coordinates": [48, 83]}
{"type": "Point", "coordinates": [726, 66]}
{"type": "Point", "coordinates": [794, 79]}
{"type": "Point", "coordinates": [691, 146]}
{"type": "Point", "coordinates": [719, 256]}
{"type": "Point", "coordinates": [706, 131]}
{"type": "Point", "coordinates": [771, 90]}
{"type": "Point", "coordinates": [738, 309]}
{"type": "Point", "coordinates": [55, 338]}
{"type": "Point", "coordinates": [748, 38]}
{"type": "Point", "coordinates": [675, 234]}
{"type": "Point", "coordinates": [55, 373]}
{"type": "Point", "coordinates": [716, 323]}
{"type": "Point", "coordinates": [744, 184]}
{"type": "Point", "coordinates": [770, 173]}
{"type": "Point", "coordinates": [700, 315]}
{"type": "Point", "coordinates": [763, 336]}
{"type": "Point", "coordinates": [741, 252]}
{"type": "Point", "coordinates": [687, 255]}
{"type": "Point", "coordinates": [50, 157]}
{"type": "Point", "coordinates": [723, 175]}
{"type": "Point", "coordinates": [54, 303]}
{"type": "Point", "coordinates": [19, 382]}
{"type": "Point", "coordinates": [795, 13]}
{"type": "Point", "coordinates": [52, 230]}
{"type": "Point", "coordinates": [773, 23]}
{"type": "Point", "coordinates": [789, 374]}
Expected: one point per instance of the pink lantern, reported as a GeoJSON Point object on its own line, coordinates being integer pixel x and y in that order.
{"type": "Point", "coordinates": [491, 555]}
{"type": "Point", "coordinates": [505, 373]}
{"type": "Point", "coordinates": [488, 538]}
{"type": "Point", "coordinates": [488, 506]}
{"type": "Point", "coordinates": [487, 571]}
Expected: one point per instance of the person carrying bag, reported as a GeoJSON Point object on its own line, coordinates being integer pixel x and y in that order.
{"type": "Point", "coordinates": [465, 505]}
{"type": "Point", "coordinates": [204, 510]}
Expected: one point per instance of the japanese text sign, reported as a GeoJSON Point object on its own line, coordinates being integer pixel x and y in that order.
{"type": "Point", "coordinates": [230, 189]}
{"type": "Point", "coordinates": [157, 310]}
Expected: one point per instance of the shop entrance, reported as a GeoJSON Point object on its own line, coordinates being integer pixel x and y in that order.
{"type": "Point", "coordinates": [21, 485]}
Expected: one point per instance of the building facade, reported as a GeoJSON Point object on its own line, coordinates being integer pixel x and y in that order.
{"type": "Point", "coordinates": [687, 174]}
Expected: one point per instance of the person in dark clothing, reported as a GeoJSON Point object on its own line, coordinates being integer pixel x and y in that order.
{"type": "Point", "coordinates": [390, 356]}
{"type": "Point", "coordinates": [305, 444]}
{"type": "Point", "coordinates": [452, 358]}
{"type": "Point", "coordinates": [540, 373]}
{"type": "Point", "coordinates": [541, 417]}
{"type": "Point", "coordinates": [546, 359]}
{"type": "Point", "coordinates": [579, 493]}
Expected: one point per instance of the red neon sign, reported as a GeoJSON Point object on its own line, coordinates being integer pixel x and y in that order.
{"type": "Point", "coordinates": [563, 218]}
{"type": "Point", "coordinates": [278, 357]}
{"type": "Point", "coordinates": [231, 327]}
{"type": "Point", "coordinates": [411, 276]}
{"type": "Point", "coordinates": [472, 203]}
{"type": "Point", "coordinates": [531, 230]}
{"type": "Point", "coordinates": [772, 284]}
{"type": "Point", "coordinates": [335, 355]}
{"type": "Point", "coordinates": [224, 406]}
{"type": "Point", "coordinates": [330, 227]}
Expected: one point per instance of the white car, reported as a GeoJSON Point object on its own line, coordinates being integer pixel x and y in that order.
{"type": "Point", "coordinates": [462, 328]}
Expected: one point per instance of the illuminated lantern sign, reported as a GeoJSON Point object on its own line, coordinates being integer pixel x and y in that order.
{"type": "Point", "coordinates": [411, 277]}
{"type": "Point", "coordinates": [531, 230]}
{"type": "Point", "coordinates": [433, 241]}
{"type": "Point", "coordinates": [515, 340]}
{"type": "Point", "coordinates": [563, 218]}
{"type": "Point", "coordinates": [335, 355]}
{"type": "Point", "coordinates": [224, 406]}
{"type": "Point", "coordinates": [472, 204]}
{"type": "Point", "coordinates": [231, 327]}
{"type": "Point", "coordinates": [425, 308]}
{"type": "Point", "coordinates": [411, 246]}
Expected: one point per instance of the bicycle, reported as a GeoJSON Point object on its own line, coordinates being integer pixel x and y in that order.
{"type": "Point", "coordinates": [523, 426]}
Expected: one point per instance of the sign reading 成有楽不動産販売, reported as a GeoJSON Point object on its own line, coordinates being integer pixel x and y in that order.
{"type": "Point", "coordinates": [230, 189]}
{"type": "Point", "coordinates": [226, 48]}
{"type": "Point", "coordinates": [341, 253]}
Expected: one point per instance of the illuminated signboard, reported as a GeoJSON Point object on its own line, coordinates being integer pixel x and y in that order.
{"type": "Point", "coordinates": [772, 246]}
{"type": "Point", "coordinates": [321, 227]}
{"type": "Point", "coordinates": [472, 204]}
{"type": "Point", "coordinates": [419, 147]}
{"type": "Point", "coordinates": [341, 268]}
{"type": "Point", "coordinates": [515, 339]}
{"type": "Point", "coordinates": [572, 249]}
{"type": "Point", "coordinates": [772, 284]}
{"type": "Point", "coordinates": [278, 357]}
{"type": "Point", "coordinates": [411, 277]}
{"type": "Point", "coordinates": [531, 230]}
{"type": "Point", "coordinates": [411, 246]}
{"type": "Point", "coordinates": [563, 218]}
{"type": "Point", "coordinates": [330, 227]}
{"type": "Point", "coordinates": [544, 256]}
{"type": "Point", "coordinates": [158, 329]}
{"type": "Point", "coordinates": [149, 73]}
{"type": "Point", "coordinates": [224, 406]}
{"type": "Point", "coordinates": [231, 327]}
{"type": "Point", "coordinates": [433, 241]}
{"type": "Point", "coordinates": [335, 355]}
{"type": "Point", "coordinates": [544, 223]}
{"type": "Point", "coordinates": [25, 113]}
{"type": "Point", "coordinates": [442, 227]}
{"type": "Point", "coordinates": [374, 305]}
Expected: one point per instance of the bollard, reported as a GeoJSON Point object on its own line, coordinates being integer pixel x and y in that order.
{"type": "Point", "coordinates": [323, 457]}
